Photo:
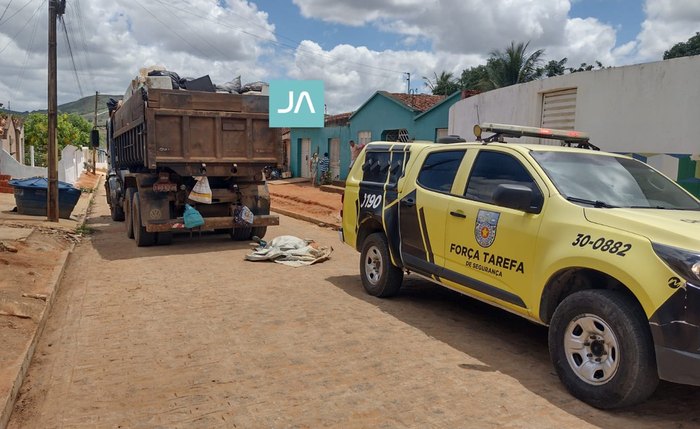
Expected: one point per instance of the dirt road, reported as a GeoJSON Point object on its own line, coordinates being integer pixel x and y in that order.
{"type": "Point", "coordinates": [190, 335]}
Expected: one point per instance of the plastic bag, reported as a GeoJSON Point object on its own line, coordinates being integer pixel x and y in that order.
{"type": "Point", "coordinates": [201, 192]}
{"type": "Point", "coordinates": [242, 215]}
{"type": "Point", "coordinates": [192, 217]}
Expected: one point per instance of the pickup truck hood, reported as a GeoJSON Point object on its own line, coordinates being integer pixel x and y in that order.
{"type": "Point", "coordinates": [679, 228]}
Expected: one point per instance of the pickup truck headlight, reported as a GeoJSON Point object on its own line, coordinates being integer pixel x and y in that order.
{"type": "Point", "coordinates": [684, 262]}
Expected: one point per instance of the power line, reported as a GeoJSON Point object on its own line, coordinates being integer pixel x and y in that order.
{"type": "Point", "coordinates": [18, 11]}
{"type": "Point", "coordinates": [5, 11]}
{"type": "Point", "coordinates": [168, 27]}
{"type": "Point", "coordinates": [77, 12]}
{"type": "Point", "coordinates": [185, 24]}
{"type": "Point", "coordinates": [23, 27]}
{"type": "Point", "coordinates": [70, 51]}
{"type": "Point", "coordinates": [20, 76]}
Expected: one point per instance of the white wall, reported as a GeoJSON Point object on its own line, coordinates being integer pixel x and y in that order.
{"type": "Point", "coordinates": [70, 166]}
{"type": "Point", "coordinates": [646, 108]}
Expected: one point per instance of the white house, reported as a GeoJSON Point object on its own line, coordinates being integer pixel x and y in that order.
{"type": "Point", "coordinates": [650, 111]}
{"type": "Point", "coordinates": [12, 136]}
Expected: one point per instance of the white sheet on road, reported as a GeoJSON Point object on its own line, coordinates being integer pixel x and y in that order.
{"type": "Point", "coordinates": [292, 251]}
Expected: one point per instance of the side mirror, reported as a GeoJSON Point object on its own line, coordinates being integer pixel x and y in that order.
{"type": "Point", "coordinates": [516, 197]}
{"type": "Point", "coordinates": [95, 138]}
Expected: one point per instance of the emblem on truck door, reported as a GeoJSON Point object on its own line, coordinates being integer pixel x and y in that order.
{"type": "Point", "coordinates": [485, 229]}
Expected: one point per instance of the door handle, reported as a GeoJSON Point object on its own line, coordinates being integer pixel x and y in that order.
{"type": "Point", "coordinates": [458, 214]}
{"type": "Point", "coordinates": [409, 202]}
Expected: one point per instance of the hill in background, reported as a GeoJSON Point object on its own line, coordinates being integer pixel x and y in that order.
{"type": "Point", "coordinates": [85, 107]}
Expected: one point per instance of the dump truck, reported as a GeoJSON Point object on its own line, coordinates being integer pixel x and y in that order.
{"type": "Point", "coordinates": [162, 141]}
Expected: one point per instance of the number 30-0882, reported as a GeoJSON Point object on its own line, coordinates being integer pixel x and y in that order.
{"type": "Point", "coordinates": [371, 201]}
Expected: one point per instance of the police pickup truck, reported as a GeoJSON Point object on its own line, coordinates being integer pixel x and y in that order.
{"type": "Point", "coordinates": [600, 247]}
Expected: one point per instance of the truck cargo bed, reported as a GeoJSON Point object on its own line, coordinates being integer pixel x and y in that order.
{"type": "Point", "coordinates": [184, 129]}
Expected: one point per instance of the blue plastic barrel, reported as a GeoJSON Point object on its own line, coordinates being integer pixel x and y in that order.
{"type": "Point", "coordinates": [30, 196]}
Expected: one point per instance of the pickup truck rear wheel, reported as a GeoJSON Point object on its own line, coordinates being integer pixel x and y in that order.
{"type": "Point", "coordinates": [379, 276]}
{"type": "Point", "coordinates": [602, 350]}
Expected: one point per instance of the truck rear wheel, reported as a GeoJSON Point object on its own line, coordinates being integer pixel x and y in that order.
{"type": "Point", "coordinates": [379, 276]}
{"type": "Point", "coordinates": [258, 231]}
{"type": "Point", "coordinates": [142, 237]}
{"type": "Point", "coordinates": [241, 233]}
{"type": "Point", "coordinates": [164, 238]}
{"type": "Point", "coordinates": [128, 215]}
{"type": "Point", "coordinates": [115, 209]}
{"type": "Point", "coordinates": [602, 350]}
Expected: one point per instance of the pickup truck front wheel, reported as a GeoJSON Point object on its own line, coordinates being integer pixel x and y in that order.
{"type": "Point", "coordinates": [602, 350]}
{"type": "Point", "coordinates": [379, 276]}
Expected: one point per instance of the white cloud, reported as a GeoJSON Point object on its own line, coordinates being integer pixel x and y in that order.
{"type": "Point", "coordinates": [225, 38]}
{"type": "Point", "coordinates": [352, 74]}
{"type": "Point", "coordinates": [667, 22]}
{"type": "Point", "coordinates": [112, 39]}
{"type": "Point", "coordinates": [456, 26]}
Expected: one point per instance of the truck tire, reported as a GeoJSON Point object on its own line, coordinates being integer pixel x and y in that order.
{"type": "Point", "coordinates": [116, 211]}
{"type": "Point", "coordinates": [379, 276]}
{"type": "Point", "coordinates": [258, 231]}
{"type": "Point", "coordinates": [142, 237]}
{"type": "Point", "coordinates": [164, 238]}
{"type": "Point", "coordinates": [241, 233]}
{"type": "Point", "coordinates": [602, 349]}
{"type": "Point", "coordinates": [128, 215]}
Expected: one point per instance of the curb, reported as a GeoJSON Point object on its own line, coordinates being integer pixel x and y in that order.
{"type": "Point", "coordinates": [333, 226]}
{"type": "Point", "coordinates": [6, 411]}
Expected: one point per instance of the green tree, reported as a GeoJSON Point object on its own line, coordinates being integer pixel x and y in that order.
{"type": "Point", "coordinates": [684, 49]}
{"type": "Point", "coordinates": [444, 84]}
{"type": "Point", "coordinates": [474, 78]}
{"type": "Point", "coordinates": [555, 68]}
{"type": "Point", "coordinates": [513, 65]}
{"type": "Point", "coordinates": [72, 129]}
{"type": "Point", "coordinates": [587, 67]}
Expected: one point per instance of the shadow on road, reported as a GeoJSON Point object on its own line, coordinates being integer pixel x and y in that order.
{"type": "Point", "coordinates": [110, 240]}
{"type": "Point", "coordinates": [514, 346]}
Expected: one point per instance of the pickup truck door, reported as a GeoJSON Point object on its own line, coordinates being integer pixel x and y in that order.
{"type": "Point", "coordinates": [489, 249]}
{"type": "Point", "coordinates": [422, 212]}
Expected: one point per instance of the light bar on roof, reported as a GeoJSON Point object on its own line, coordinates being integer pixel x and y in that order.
{"type": "Point", "coordinates": [520, 131]}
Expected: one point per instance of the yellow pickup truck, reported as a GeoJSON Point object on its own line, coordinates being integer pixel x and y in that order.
{"type": "Point", "coordinates": [600, 247]}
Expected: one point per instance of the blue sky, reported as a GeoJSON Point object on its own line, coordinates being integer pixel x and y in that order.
{"type": "Point", "coordinates": [356, 47]}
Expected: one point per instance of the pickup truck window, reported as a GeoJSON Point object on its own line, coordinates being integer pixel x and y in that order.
{"type": "Point", "coordinates": [439, 170]}
{"type": "Point", "coordinates": [495, 168]}
{"type": "Point", "coordinates": [608, 181]}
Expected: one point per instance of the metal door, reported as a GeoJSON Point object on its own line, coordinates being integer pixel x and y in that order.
{"type": "Point", "coordinates": [305, 158]}
{"type": "Point", "coordinates": [335, 158]}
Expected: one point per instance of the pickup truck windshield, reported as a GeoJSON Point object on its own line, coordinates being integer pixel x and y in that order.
{"type": "Point", "coordinates": [608, 181]}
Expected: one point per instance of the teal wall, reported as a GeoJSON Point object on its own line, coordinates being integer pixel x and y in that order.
{"type": "Point", "coordinates": [378, 114]}
{"type": "Point", "coordinates": [427, 123]}
{"type": "Point", "coordinates": [320, 142]}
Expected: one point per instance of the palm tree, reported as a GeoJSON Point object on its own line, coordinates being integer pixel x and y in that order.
{"type": "Point", "coordinates": [444, 84]}
{"type": "Point", "coordinates": [513, 65]}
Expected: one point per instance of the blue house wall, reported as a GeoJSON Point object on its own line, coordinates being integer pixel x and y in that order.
{"type": "Point", "coordinates": [320, 143]}
{"type": "Point", "coordinates": [378, 114]}
{"type": "Point", "coordinates": [428, 122]}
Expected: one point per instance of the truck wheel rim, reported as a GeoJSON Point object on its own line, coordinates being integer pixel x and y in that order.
{"type": "Point", "coordinates": [373, 265]}
{"type": "Point", "coordinates": [592, 349]}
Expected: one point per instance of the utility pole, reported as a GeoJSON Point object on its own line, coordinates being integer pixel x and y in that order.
{"type": "Point", "coordinates": [52, 191]}
{"type": "Point", "coordinates": [408, 82]}
{"type": "Point", "coordinates": [94, 149]}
